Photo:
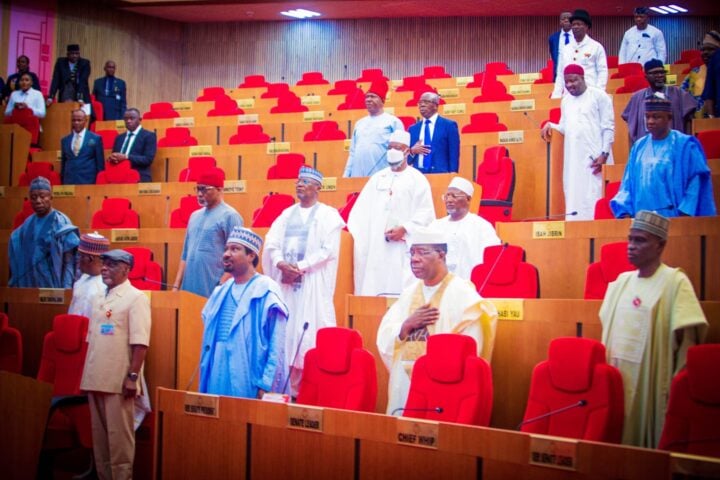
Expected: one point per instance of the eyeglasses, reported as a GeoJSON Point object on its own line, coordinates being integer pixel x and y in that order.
{"type": "Point", "coordinates": [204, 188]}
{"type": "Point", "coordinates": [453, 196]}
{"type": "Point", "coordinates": [423, 252]}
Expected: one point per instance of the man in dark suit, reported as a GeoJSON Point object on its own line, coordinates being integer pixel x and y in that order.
{"type": "Point", "coordinates": [560, 38]}
{"type": "Point", "coordinates": [440, 153]}
{"type": "Point", "coordinates": [82, 154]}
{"type": "Point", "coordinates": [110, 91]}
{"type": "Point", "coordinates": [136, 144]}
{"type": "Point", "coordinates": [70, 78]}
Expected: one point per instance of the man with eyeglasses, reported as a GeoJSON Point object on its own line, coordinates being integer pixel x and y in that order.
{"type": "Point", "coordinates": [435, 140]}
{"type": "Point", "coordinates": [437, 302]}
{"type": "Point", "coordinates": [301, 254]}
{"type": "Point", "coordinates": [467, 233]}
{"type": "Point", "coordinates": [683, 104]}
{"type": "Point", "coordinates": [201, 268]}
{"type": "Point", "coordinates": [391, 206]}
{"type": "Point", "coordinates": [90, 284]}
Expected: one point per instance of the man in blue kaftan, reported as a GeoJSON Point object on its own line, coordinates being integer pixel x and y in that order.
{"type": "Point", "coordinates": [243, 346]}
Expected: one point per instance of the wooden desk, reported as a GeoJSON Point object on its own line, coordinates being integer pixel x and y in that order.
{"type": "Point", "coordinates": [56, 124]}
{"type": "Point", "coordinates": [14, 148]}
{"type": "Point", "coordinates": [702, 124]}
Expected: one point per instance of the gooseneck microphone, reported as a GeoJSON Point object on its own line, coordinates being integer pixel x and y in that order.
{"type": "Point", "coordinates": [579, 403]}
{"type": "Point", "coordinates": [492, 269]}
{"type": "Point", "coordinates": [549, 217]}
{"type": "Point", "coordinates": [297, 351]}
{"type": "Point", "coordinates": [403, 409]}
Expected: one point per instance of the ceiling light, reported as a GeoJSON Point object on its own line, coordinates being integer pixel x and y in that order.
{"type": "Point", "coordinates": [658, 10]}
{"type": "Point", "coordinates": [668, 9]}
{"type": "Point", "coordinates": [679, 9]}
{"type": "Point", "coordinates": [300, 13]}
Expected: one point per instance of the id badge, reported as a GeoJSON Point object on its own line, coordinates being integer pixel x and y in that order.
{"type": "Point", "coordinates": [107, 329]}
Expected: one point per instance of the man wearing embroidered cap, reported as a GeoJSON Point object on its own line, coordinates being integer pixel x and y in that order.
{"type": "Point", "coordinates": [90, 283]}
{"type": "Point", "coordinates": [467, 233]}
{"type": "Point", "coordinates": [118, 339]}
{"type": "Point", "coordinates": [200, 268]}
{"type": "Point", "coordinates": [437, 302]}
{"type": "Point", "coordinates": [642, 42]}
{"type": "Point", "coordinates": [650, 317]}
{"type": "Point", "coordinates": [245, 318]}
{"type": "Point", "coordinates": [301, 254]}
{"type": "Point", "coordinates": [666, 171]}
{"type": "Point", "coordinates": [588, 123]}
{"type": "Point", "coordinates": [370, 136]}
{"type": "Point", "coordinates": [41, 251]}
{"type": "Point", "coordinates": [391, 206]}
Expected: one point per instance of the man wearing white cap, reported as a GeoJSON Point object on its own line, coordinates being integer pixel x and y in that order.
{"type": "Point", "coordinates": [90, 284]}
{"type": "Point", "coordinates": [650, 317]}
{"type": "Point", "coordinates": [437, 302]}
{"type": "Point", "coordinates": [467, 233]}
{"type": "Point", "coordinates": [392, 205]}
{"type": "Point", "coordinates": [243, 345]}
{"type": "Point", "coordinates": [301, 253]}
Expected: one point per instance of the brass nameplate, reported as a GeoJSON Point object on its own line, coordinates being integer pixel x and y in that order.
{"type": "Point", "coordinates": [63, 190]}
{"type": "Point", "coordinates": [418, 433]}
{"type": "Point", "coordinates": [395, 83]}
{"type": "Point", "coordinates": [245, 102]}
{"type": "Point", "coordinates": [346, 144]}
{"type": "Point", "coordinates": [553, 452]}
{"type": "Point", "coordinates": [524, 89]}
{"type": "Point", "coordinates": [124, 235]}
{"type": "Point", "coordinates": [202, 405]}
{"type": "Point", "coordinates": [120, 124]}
{"type": "Point", "coordinates": [513, 136]}
{"type": "Point", "coordinates": [667, 68]}
{"type": "Point", "coordinates": [508, 308]}
{"type": "Point", "coordinates": [184, 122]}
{"type": "Point", "coordinates": [149, 188]}
{"type": "Point", "coordinates": [235, 186]}
{"type": "Point", "coordinates": [463, 81]}
{"type": "Point", "coordinates": [329, 184]}
{"type": "Point", "coordinates": [278, 147]}
{"type": "Point", "coordinates": [548, 230]}
{"type": "Point", "coordinates": [522, 105]}
{"type": "Point", "coordinates": [248, 118]}
{"type": "Point", "coordinates": [529, 77]}
{"type": "Point", "coordinates": [305, 418]}
{"type": "Point", "coordinates": [200, 150]}
{"type": "Point", "coordinates": [310, 100]}
{"type": "Point", "coordinates": [671, 80]}
{"type": "Point", "coordinates": [390, 110]}
{"type": "Point", "coordinates": [182, 106]}
{"type": "Point", "coordinates": [59, 155]}
{"type": "Point", "coordinates": [51, 296]}
{"type": "Point", "coordinates": [454, 109]}
{"type": "Point", "coordinates": [449, 92]}
{"type": "Point", "coordinates": [313, 116]}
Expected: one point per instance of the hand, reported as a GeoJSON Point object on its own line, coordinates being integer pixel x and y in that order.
{"type": "Point", "coordinates": [290, 272]}
{"type": "Point", "coordinates": [395, 234]}
{"type": "Point", "coordinates": [21, 105]}
{"type": "Point", "coordinates": [116, 158]}
{"type": "Point", "coordinates": [546, 132]}
{"type": "Point", "coordinates": [260, 393]}
{"type": "Point", "coordinates": [129, 389]}
{"type": "Point", "coordinates": [598, 163]}
{"type": "Point", "coordinates": [422, 317]}
{"type": "Point", "coordinates": [48, 102]}
{"type": "Point", "coordinates": [175, 288]}
{"type": "Point", "coordinates": [419, 148]}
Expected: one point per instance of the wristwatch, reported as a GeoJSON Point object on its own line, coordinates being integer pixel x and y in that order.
{"type": "Point", "coordinates": [133, 376]}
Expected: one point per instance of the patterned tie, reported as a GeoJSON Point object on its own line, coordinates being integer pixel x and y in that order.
{"type": "Point", "coordinates": [427, 140]}
{"type": "Point", "coordinates": [567, 38]}
{"type": "Point", "coordinates": [76, 145]}
{"type": "Point", "coordinates": [126, 145]}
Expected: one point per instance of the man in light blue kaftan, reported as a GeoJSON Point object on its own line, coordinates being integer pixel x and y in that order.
{"type": "Point", "coordinates": [243, 346]}
{"type": "Point", "coordinates": [666, 171]}
{"type": "Point", "coordinates": [42, 249]}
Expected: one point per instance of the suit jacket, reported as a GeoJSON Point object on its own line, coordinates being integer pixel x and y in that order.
{"type": "Point", "coordinates": [61, 78]}
{"type": "Point", "coordinates": [445, 146]}
{"type": "Point", "coordinates": [554, 45]}
{"type": "Point", "coordinates": [81, 169]}
{"type": "Point", "coordinates": [115, 102]}
{"type": "Point", "coordinates": [142, 153]}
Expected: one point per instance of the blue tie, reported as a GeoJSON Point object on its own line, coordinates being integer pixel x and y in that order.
{"type": "Point", "coordinates": [427, 141]}
{"type": "Point", "coordinates": [567, 38]}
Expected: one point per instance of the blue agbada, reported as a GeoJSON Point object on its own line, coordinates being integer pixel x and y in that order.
{"type": "Point", "coordinates": [247, 352]}
{"type": "Point", "coordinates": [37, 252]}
{"type": "Point", "coordinates": [668, 176]}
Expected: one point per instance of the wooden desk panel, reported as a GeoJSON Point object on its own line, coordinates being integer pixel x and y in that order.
{"type": "Point", "coordinates": [14, 148]}
{"type": "Point", "coordinates": [56, 124]}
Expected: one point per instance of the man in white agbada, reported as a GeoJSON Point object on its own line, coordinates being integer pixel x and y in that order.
{"type": "Point", "coordinates": [467, 233]}
{"type": "Point", "coordinates": [437, 302]}
{"type": "Point", "coordinates": [90, 283]}
{"type": "Point", "coordinates": [588, 123]}
{"type": "Point", "coordinates": [393, 204]}
{"type": "Point", "coordinates": [301, 254]}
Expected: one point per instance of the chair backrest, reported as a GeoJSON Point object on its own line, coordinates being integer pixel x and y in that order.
{"type": "Point", "coordinates": [602, 206]}
{"type": "Point", "coordinates": [496, 174]}
{"type": "Point", "coordinates": [693, 414]}
{"type": "Point", "coordinates": [343, 87]}
{"type": "Point", "coordinates": [339, 372]}
{"type": "Point", "coordinates": [626, 69]}
{"type": "Point", "coordinates": [324, 130]}
{"type": "Point", "coordinates": [25, 118]}
{"type": "Point", "coordinates": [273, 206]}
{"type": "Point", "coordinates": [435, 71]}
{"type": "Point", "coordinates": [495, 211]}
{"type": "Point", "coordinates": [225, 106]}
{"type": "Point", "coordinates": [39, 169]}
{"type": "Point", "coordinates": [613, 61]}
{"type": "Point", "coordinates": [180, 216]}
{"type": "Point", "coordinates": [411, 84]}
{"type": "Point", "coordinates": [23, 214]}
{"type": "Point", "coordinates": [248, 134]}
{"type": "Point", "coordinates": [312, 78]}
{"type": "Point", "coordinates": [484, 122]}
{"type": "Point", "coordinates": [118, 173]}
{"type": "Point", "coordinates": [451, 378]}
{"type": "Point", "coordinates": [196, 167]}
{"type": "Point", "coordinates": [504, 274]}
{"type": "Point", "coordinates": [63, 354]}
{"type": "Point", "coordinates": [252, 81]}
{"type": "Point", "coordinates": [686, 56]}
{"type": "Point", "coordinates": [115, 213]}
{"type": "Point", "coordinates": [177, 137]}
{"type": "Point", "coordinates": [108, 137]}
{"type": "Point", "coordinates": [287, 166]}
{"type": "Point", "coordinates": [288, 102]}
{"type": "Point", "coordinates": [710, 140]}
{"type": "Point", "coordinates": [372, 74]}
{"type": "Point", "coordinates": [497, 68]}
{"type": "Point", "coordinates": [160, 110]}
{"type": "Point", "coordinates": [613, 261]}
{"type": "Point", "coordinates": [146, 273]}
{"type": "Point", "coordinates": [407, 121]}
{"type": "Point", "coordinates": [575, 372]}
{"type": "Point", "coordinates": [349, 204]}
{"type": "Point", "coordinates": [274, 90]}
{"type": "Point", "coordinates": [633, 83]}
{"type": "Point", "coordinates": [11, 351]}
{"type": "Point", "coordinates": [210, 94]}
{"type": "Point", "coordinates": [354, 100]}
{"type": "Point", "coordinates": [493, 91]}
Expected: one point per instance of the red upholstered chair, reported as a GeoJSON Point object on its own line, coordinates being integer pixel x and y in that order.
{"type": "Point", "coordinates": [435, 71]}
{"type": "Point", "coordinates": [613, 261]}
{"type": "Point", "coordinates": [484, 122]}
{"type": "Point", "coordinates": [160, 110]}
{"type": "Point", "coordinates": [496, 174]}
{"type": "Point", "coordinates": [686, 56]}
{"type": "Point", "coordinates": [287, 166]}
{"type": "Point", "coordinates": [349, 204]}
{"type": "Point", "coordinates": [418, 93]}
{"type": "Point", "coordinates": [612, 61]}
{"type": "Point", "coordinates": [115, 213]}
{"type": "Point", "coordinates": [117, 174]}
{"type": "Point", "coordinates": [353, 101]}
{"type": "Point", "coordinates": [554, 116]}
{"type": "Point", "coordinates": [177, 137]}
{"type": "Point", "coordinates": [372, 74]}
{"type": "Point", "coordinates": [575, 372]}
{"type": "Point", "coordinates": [692, 421]}
{"type": "Point", "coordinates": [146, 273]}
{"type": "Point", "coordinates": [407, 121]}
{"type": "Point", "coordinates": [210, 94]}
{"type": "Point", "coordinates": [11, 351]}
{"type": "Point", "coordinates": [196, 167]}
{"type": "Point", "coordinates": [627, 69]}
{"type": "Point", "coordinates": [547, 73]}
{"type": "Point", "coordinates": [23, 214]}
{"type": "Point", "coordinates": [339, 372]}
{"type": "Point", "coordinates": [25, 118]}
{"type": "Point", "coordinates": [450, 383]}
{"type": "Point", "coordinates": [39, 169]}
{"type": "Point", "coordinates": [180, 216]}
{"type": "Point", "coordinates": [97, 110]}
{"type": "Point", "coordinates": [108, 137]}
{"type": "Point", "coordinates": [225, 106]}
{"type": "Point", "coordinates": [254, 81]}
{"type": "Point", "coordinates": [710, 140]}
{"type": "Point", "coordinates": [495, 211]}
{"type": "Point", "coordinates": [324, 130]}
{"type": "Point", "coordinates": [633, 83]}
{"type": "Point", "coordinates": [493, 92]}
{"type": "Point", "coordinates": [505, 274]}
{"type": "Point", "coordinates": [497, 68]}
{"type": "Point", "coordinates": [289, 103]}
{"type": "Point", "coordinates": [602, 206]}
{"type": "Point", "coordinates": [343, 87]}
{"type": "Point", "coordinates": [273, 206]}
{"type": "Point", "coordinates": [694, 63]}
{"type": "Point", "coordinates": [312, 78]}
{"type": "Point", "coordinates": [274, 90]}
{"type": "Point", "coordinates": [248, 134]}
{"type": "Point", "coordinates": [413, 84]}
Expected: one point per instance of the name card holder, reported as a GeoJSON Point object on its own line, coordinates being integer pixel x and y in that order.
{"type": "Point", "coordinates": [329, 184]}
{"type": "Point", "coordinates": [454, 109]}
{"type": "Point", "coordinates": [245, 102]}
{"type": "Point", "coordinates": [235, 186]}
{"type": "Point", "coordinates": [248, 118]}
{"type": "Point", "coordinates": [522, 105]}
{"type": "Point", "coordinates": [513, 136]}
{"type": "Point", "coordinates": [548, 230]}
{"type": "Point", "coordinates": [182, 106]}
{"type": "Point", "coordinates": [463, 81]}
{"type": "Point", "coordinates": [124, 235]}
{"type": "Point", "coordinates": [509, 308]}
{"type": "Point", "coordinates": [529, 77]}
{"type": "Point", "coordinates": [51, 296]}
{"type": "Point", "coordinates": [184, 122]}
{"type": "Point", "coordinates": [313, 116]}
{"type": "Point", "coordinates": [553, 452]}
{"type": "Point", "coordinates": [304, 417]}
{"type": "Point", "coordinates": [63, 191]}
{"type": "Point", "coordinates": [200, 150]}
{"type": "Point", "coordinates": [278, 147]}
{"type": "Point", "coordinates": [346, 145]}
{"type": "Point", "coordinates": [202, 405]}
{"type": "Point", "coordinates": [418, 433]}
{"type": "Point", "coordinates": [150, 188]}
{"type": "Point", "coordinates": [310, 100]}
{"type": "Point", "coordinates": [522, 89]}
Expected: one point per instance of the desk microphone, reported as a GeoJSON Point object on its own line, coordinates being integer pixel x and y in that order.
{"type": "Point", "coordinates": [297, 351]}
{"type": "Point", "coordinates": [579, 403]}
{"type": "Point", "coordinates": [157, 282]}
{"type": "Point", "coordinates": [532, 119]}
{"type": "Point", "coordinates": [492, 269]}
{"type": "Point", "coordinates": [550, 217]}
{"type": "Point", "coordinates": [404, 409]}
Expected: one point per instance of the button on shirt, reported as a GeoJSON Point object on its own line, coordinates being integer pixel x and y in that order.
{"type": "Point", "coordinates": [433, 121]}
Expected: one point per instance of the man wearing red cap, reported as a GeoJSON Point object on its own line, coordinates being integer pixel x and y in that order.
{"type": "Point", "coordinates": [207, 231]}
{"type": "Point", "coordinates": [587, 121]}
{"type": "Point", "coordinates": [371, 135]}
